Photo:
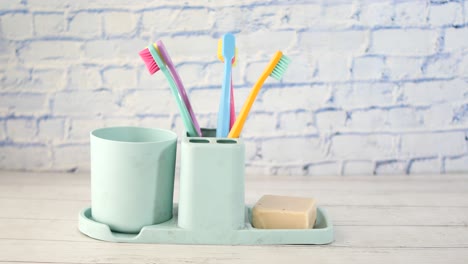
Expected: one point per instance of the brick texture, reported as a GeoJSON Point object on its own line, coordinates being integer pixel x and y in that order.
{"type": "Point", "coordinates": [375, 87]}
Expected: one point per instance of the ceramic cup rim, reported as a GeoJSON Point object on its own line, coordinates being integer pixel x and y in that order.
{"type": "Point", "coordinates": [164, 134]}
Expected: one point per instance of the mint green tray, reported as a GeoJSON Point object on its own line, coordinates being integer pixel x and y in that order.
{"type": "Point", "coordinates": [169, 233]}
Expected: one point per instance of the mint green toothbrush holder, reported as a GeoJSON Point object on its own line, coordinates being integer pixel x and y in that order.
{"type": "Point", "coordinates": [211, 207]}
{"type": "Point", "coordinates": [211, 193]}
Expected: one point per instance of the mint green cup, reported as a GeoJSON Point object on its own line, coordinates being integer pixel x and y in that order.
{"type": "Point", "coordinates": [132, 177]}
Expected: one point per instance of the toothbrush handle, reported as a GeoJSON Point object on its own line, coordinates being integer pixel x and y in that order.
{"type": "Point", "coordinates": [183, 110]}
{"type": "Point", "coordinates": [223, 113]}
{"type": "Point", "coordinates": [240, 121]}
{"type": "Point", "coordinates": [180, 87]}
{"type": "Point", "coordinates": [232, 118]}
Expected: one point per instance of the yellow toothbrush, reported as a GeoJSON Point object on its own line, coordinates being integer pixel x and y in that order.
{"type": "Point", "coordinates": [276, 69]}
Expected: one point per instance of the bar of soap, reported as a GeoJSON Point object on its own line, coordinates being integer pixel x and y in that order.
{"type": "Point", "coordinates": [284, 212]}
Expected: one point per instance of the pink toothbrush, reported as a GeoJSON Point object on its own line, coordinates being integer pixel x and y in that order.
{"type": "Point", "coordinates": [233, 111]}
{"type": "Point", "coordinates": [167, 59]}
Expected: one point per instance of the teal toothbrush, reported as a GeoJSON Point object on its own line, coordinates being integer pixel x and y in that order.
{"type": "Point", "coordinates": [154, 62]}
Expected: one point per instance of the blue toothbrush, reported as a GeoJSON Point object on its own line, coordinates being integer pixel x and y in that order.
{"type": "Point", "coordinates": [228, 50]}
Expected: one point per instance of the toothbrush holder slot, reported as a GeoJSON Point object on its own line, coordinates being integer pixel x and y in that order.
{"type": "Point", "coordinates": [211, 193]}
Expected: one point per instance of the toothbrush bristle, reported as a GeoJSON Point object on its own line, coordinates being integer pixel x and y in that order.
{"type": "Point", "coordinates": [280, 67]}
{"type": "Point", "coordinates": [234, 60]}
{"type": "Point", "coordinates": [220, 54]}
{"type": "Point", "coordinates": [149, 61]}
{"type": "Point", "coordinates": [220, 50]}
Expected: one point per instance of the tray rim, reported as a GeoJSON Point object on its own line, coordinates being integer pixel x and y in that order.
{"type": "Point", "coordinates": [169, 233]}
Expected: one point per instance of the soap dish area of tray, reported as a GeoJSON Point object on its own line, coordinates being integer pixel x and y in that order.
{"type": "Point", "coordinates": [169, 233]}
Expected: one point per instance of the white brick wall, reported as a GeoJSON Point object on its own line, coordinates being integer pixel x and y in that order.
{"type": "Point", "coordinates": [50, 53]}
{"type": "Point", "coordinates": [352, 41]}
{"type": "Point", "coordinates": [411, 13]}
{"type": "Point", "coordinates": [458, 165]}
{"type": "Point", "coordinates": [432, 92]}
{"type": "Point", "coordinates": [296, 122]}
{"type": "Point", "coordinates": [49, 24]}
{"type": "Point", "coordinates": [120, 78]}
{"type": "Point", "coordinates": [120, 23]}
{"type": "Point", "coordinates": [425, 166]}
{"type": "Point", "coordinates": [455, 38]}
{"type": "Point", "coordinates": [51, 129]}
{"type": "Point", "coordinates": [293, 150]}
{"type": "Point", "coordinates": [364, 146]}
{"type": "Point", "coordinates": [433, 144]}
{"type": "Point", "coordinates": [391, 167]}
{"type": "Point", "coordinates": [368, 68]}
{"type": "Point", "coordinates": [404, 68]}
{"type": "Point", "coordinates": [28, 104]}
{"type": "Point", "coordinates": [21, 130]}
{"type": "Point", "coordinates": [446, 14]}
{"type": "Point", "coordinates": [261, 123]}
{"type": "Point", "coordinates": [375, 87]}
{"type": "Point", "coordinates": [71, 157]}
{"type": "Point", "coordinates": [85, 25]}
{"type": "Point", "coordinates": [17, 26]}
{"type": "Point", "coordinates": [331, 120]}
{"type": "Point", "coordinates": [20, 157]}
{"type": "Point", "coordinates": [375, 14]}
{"type": "Point", "coordinates": [358, 167]}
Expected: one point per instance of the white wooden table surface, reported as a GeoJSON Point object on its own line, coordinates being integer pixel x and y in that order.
{"type": "Point", "coordinates": [390, 219]}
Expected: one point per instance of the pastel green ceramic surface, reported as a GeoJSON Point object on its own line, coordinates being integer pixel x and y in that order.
{"type": "Point", "coordinates": [169, 233]}
{"type": "Point", "coordinates": [211, 209]}
{"type": "Point", "coordinates": [211, 184]}
{"type": "Point", "coordinates": [132, 176]}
